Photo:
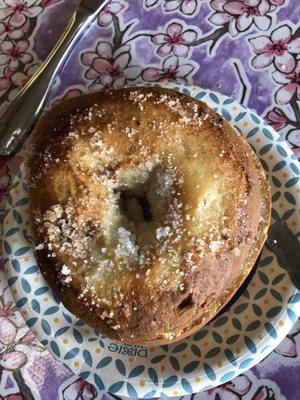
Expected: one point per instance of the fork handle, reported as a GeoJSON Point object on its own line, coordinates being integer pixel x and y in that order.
{"type": "Point", "coordinates": [22, 113]}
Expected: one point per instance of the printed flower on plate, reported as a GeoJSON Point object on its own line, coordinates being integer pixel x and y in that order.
{"type": "Point", "coordinates": [290, 85]}
{"type": "Point", "coordinates": [171, 70]}
{"type": "Point", "coordinates": [69, 94]}
{"type": "Point", "coordinates": [176, 40]}
{"type": "Point", "coordinates": [108, 12]}
{"type": "Point", "coordinates": [5, 180]}
{"type": "Point", "coordinates": [293, 137]}
{"type": "Point", "coordinates": [278, 48]}
{"type": "Point", "coordinates": [13, 360]}
{"type": "Point", "coordinates": [17, 79]}
{"type": "Point", "coordinates": [276, 2]}
{"type": "Point", "coordinates": [14, 349]}
{"type": "Point", "coordinates": [18, 11]}
{"type": "Point", "coordinates": [288, 347]}
{"type": "Point", "coordinates": [5, 84]}
{"type": "Point", "coordinates": [8, 328]}
{"type": "Point", "coordinates": [80, 390]}
{"type": "Point", "coordinates": [12, 33]}
{"type": "Point", "coordinates": [241, 15]}
{"type": "Point", "coordinates": [109, 69]}
{"type": "Point", "coordinates": [264, 393]}
{"type": "Point", "coordinates": [277, 118]}
{"type": "Point", "coordinates": [11, 54]}
{"type": "Point", "coordinates": [11, 355]}
{"type": "Point", "coordinates": [15, 338]}
{"type": "Point", "coordinates": [187, 7]}
{"type": "Point", "coordinates": [20, 78]}
{"type": "Point", "coordinates": [232, 390]}
{"type": "Point", "coordinates": [151, 3]}
{"type": "Point", "coordinates": [8, 167]}
{"type": "Point", "coordinates": [47, 3]}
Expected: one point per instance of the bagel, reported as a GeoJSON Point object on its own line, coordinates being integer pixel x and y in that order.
{"type": "Point", "coordinates": [147, 211]}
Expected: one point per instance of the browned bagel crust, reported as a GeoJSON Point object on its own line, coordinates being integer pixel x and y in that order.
{"type": "Point", "coordinates": [98, 164]}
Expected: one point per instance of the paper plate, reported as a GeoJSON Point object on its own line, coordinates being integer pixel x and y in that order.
{"type": "Point", "coordinates": [232, 343]}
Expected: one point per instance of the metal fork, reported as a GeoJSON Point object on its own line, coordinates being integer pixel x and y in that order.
{"type": "Point", "coordinates": [22, 113]}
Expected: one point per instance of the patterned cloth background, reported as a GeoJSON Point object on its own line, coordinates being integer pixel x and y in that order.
{"type": "Point", "coordinates": [246, 49]}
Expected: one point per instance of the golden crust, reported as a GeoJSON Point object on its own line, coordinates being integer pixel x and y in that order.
{"type": "Point", "coordinates": [148, 211]}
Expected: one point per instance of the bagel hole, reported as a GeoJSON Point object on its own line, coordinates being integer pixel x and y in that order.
{"type": "Point", "coordinates": [186, 303]}
{"type": "Point", "coordinates": [142, 205]}
{"type": "Point", "coordinates": [135, 206]}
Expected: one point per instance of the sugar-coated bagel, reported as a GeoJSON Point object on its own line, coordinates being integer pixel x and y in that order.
{"type": "Point", "coordinates": [148, 211]}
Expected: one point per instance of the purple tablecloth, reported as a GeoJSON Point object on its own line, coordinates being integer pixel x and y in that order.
{"type": "Point", "coordinates": [246, 49]}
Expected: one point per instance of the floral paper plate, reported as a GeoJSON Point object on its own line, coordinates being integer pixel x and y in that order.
{"type": "Point", "coordinates": [233, 342]}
